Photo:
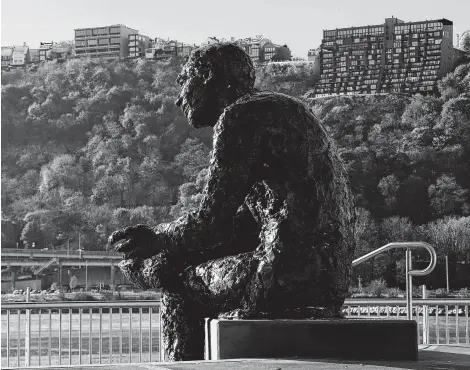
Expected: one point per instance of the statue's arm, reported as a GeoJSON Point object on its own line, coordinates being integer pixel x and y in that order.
{"type": "Point", "coordinates": [231, 174]}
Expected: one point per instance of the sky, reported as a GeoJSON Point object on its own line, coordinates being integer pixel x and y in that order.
{"type": "Point", "coordinates": [297, 23]}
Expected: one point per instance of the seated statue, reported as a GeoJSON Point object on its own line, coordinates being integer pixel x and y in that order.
{"type": "Point", "coordinates": [273, 235]}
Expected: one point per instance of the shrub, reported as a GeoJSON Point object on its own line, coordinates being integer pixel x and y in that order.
{"type": "Point", "coordinates": [441, 293]}
{"type": "Point", "coordinates": [464, 293]}
{"type": "Point", "coordinates": [376, 288]}
{"type": "Point", "coordinates": [394, 292]}
{"type": "Point", "coordinates": [352, 291]}
{"type": "Point", "coordinates": [80, 296]}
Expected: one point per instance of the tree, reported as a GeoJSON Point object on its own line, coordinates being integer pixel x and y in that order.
{"type": "Point", "coordinates": [190, 195]}
{"type": "Point", "coordinates": [464, 42]}
{"type": "Point", "coordinates": [282, 53]}
{"type": "Point", "coordinates": [447, 197]}
{"type": "Point", "coordinates": [366, 232]}
{"type": "Point", "coordinates": [193, 157]}
{"type": "Point", "coordinates": [450, 235]}
{"type": "Point", "coordinates": [388, 187]}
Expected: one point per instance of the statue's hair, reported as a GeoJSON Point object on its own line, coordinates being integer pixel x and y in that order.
{"type": "Point", "coordinates": [227, 61]}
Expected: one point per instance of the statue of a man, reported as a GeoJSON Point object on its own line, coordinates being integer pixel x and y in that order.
{"type": "Point", "coordinates": [273, 236]}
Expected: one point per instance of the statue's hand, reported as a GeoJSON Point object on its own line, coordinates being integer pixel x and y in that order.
{"type": "Point", "coordinates": [138, 241]}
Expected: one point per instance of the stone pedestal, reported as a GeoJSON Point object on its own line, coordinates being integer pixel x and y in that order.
{"type": "Point", "coordinates": [346, 339]}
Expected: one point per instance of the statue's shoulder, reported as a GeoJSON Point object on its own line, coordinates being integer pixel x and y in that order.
{"type": "Point", "coordinates": [260, 102]}
{"type": "Point", "coordinates": [261, 109]}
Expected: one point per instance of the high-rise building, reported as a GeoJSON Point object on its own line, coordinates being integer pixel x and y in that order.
{"type": "Point", "coordinates": [395, 56]}
{"type": "Point", "coordinates": [110, 42]}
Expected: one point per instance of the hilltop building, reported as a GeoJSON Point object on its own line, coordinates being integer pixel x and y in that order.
{"type": "Point", "coordinates": [259, 48]}
{"type": "Point", "coordinates": [263, 50]}
{"type": "Point", "coordinates": [20, 56]}
{"type": "Point", "coordinates": [109, 42]}
{"type": "Point", "coordinates": [7, 52]}
{"type": "Point", "coordinates": [395, 56]}
{"type": "Point", "coordinates": [164, 49]}
{"type": "Point", "coordinates": [60, 51]}
{"type": "Point", "coordinates": [34, 55]}
{"type": "Point", "coordinates": [137, 45]}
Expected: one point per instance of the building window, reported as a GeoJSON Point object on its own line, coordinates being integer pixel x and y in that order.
{"type": "Point", "coordinates": [103, 41]}
{"type": "Point", "coordinates": [115, 40]}
{"type": "Point", "coordinates": [80, 33]}
{"type": "Point", "coordinates": [114, 30]}
{"type": "Point", "coordinates": [92, 42]}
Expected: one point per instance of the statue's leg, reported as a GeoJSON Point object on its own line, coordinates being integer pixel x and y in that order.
{"type": "Point", "coordinates": [183, 327]}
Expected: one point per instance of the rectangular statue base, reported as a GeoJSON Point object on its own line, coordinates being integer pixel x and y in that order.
{"type": "Point", "coordinates": [346, 339]}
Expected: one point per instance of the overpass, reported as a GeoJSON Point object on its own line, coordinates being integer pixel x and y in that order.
{"type": "Point", "coordinates": [42, 260]}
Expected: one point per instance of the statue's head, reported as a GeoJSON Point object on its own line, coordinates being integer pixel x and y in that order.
{"type": "Point", "coordinates": [214, 77]}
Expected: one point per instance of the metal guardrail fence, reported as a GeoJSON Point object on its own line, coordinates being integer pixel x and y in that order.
{"type": "Point", "coordinates": [440, 321]}
{"type": "Point", "coordinates": [75, 333]}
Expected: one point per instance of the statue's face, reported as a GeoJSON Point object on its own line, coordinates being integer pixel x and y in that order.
{"type": "Point", "coordinates": [198, 97]}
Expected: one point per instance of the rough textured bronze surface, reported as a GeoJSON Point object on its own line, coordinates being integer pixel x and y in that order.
{"type": "Point", "coordinates": [273, 236]}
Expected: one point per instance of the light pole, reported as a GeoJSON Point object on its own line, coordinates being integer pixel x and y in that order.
{"type": "Point", "coordinates": [447, 273]}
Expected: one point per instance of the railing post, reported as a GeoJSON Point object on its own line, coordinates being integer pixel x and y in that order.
{"type": "Point", "coordinates": [409, 286]}
{"type": "Point", "coordinates": [425, 319]}
{"type": "Point", "coordinates": [162, 348]}
{"type": "Point", "coordinates": [27, 335]}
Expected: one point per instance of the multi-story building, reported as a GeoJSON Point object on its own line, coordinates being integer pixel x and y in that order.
{"type": "Point", "coordinates": [391, 57]}
{"type": "Point", "coordinates": [109, 42]}
{"type": "Point", "coordinates": [252, 46]}
{"type": "Point", "coordinates": [60, 51]}
{"type": "Point", "coordinates": [137, 45]}
{"type": "Point", "coordinates": [20, 56]}
{"type": "Point", "coordinates": [267, 50]}
{"type": "Point", "coordinates": [34, 55]}
{"type": "Point", "coordinates": [7, 52]}
{"type": "Point", "coordinates": [164, 49]}
{"type": "Point", "coordinates": [45, 49]}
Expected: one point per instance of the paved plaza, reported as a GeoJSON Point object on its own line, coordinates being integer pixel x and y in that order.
{"type": "Point", "coordinates": [430, 358]}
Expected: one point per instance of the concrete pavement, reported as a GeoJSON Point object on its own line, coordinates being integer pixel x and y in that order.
{"type": "Point", "coordinates": [431, 357]}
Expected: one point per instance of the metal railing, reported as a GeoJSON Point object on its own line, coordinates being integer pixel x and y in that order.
{"type": "Point", "coordinates": [409, 272]}
{"type": "Point", "coordinates": [440, 321]}
{"type": "Point", "coordinates": [12, 252]}
{"type": "Point", "coordinates": [75, 333]}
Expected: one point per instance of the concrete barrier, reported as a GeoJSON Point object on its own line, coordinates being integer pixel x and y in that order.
{"type": "Point", "coordinates": [339, 339]}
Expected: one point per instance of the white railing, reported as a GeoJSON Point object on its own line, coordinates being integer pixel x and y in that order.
{"type": "Point", "coordinates": [440, 321]}
{"type": "Point", "coordinates": [76, 333]}
{"type": "Point", "coordinates": [409, 272]}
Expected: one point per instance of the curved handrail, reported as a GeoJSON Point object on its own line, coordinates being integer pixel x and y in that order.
{"type": "Point", "coordinates": [414, 245]}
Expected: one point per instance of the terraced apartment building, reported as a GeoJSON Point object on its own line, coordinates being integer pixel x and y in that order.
{"type": "Point", "coordinates": [395, 56]}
